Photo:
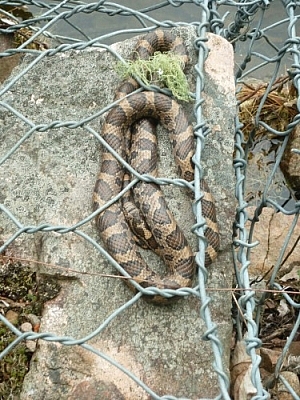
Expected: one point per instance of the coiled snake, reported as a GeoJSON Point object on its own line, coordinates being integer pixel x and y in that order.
{"type": "Point", "coordinates": [135, 115]}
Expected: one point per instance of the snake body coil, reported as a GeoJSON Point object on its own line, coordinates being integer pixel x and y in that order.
{"type": "Point", "coordinates": [134, 114]}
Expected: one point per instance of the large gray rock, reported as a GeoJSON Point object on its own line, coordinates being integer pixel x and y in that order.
{"type": "Point", "coordinates": [50, 178]}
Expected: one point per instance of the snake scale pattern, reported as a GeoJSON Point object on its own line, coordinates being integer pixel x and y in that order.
{"type": "Point", "coordinates": [143, 217]}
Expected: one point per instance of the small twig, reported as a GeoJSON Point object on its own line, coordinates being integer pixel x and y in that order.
{"type": "Point", "coordinates": [10, 303]}
{"type": "Point", "coordinates": [26, 260]}
{"type": "Point", "coordinates": [291, 251]}
{"type": "Point", "coordinates": [125, 277]}
{"type": "Point", "coordinates": [277, 333]}
{"type": "Point", "coordinates": [276, 85]}
{"type": "Point", "coordinates": [239, 308]}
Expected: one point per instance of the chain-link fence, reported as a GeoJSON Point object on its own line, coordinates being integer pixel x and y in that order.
{"type": "Point", "coordinates": [265, 230]}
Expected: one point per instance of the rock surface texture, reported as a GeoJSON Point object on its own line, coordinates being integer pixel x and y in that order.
{"type": "Point", "coordinates": [49, 179]}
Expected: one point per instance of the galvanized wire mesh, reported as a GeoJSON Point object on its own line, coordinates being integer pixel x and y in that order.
{"type": "Point", "coordinates": [261, 53]}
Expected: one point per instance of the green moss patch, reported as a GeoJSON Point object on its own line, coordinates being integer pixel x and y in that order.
{"type": "Point", "coordinates": [22, 292]}
{"type": "Point", "coordinates": [162, 69]}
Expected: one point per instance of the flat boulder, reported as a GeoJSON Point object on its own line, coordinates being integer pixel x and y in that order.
{"type": "Point", "coordinates": [100, 341]}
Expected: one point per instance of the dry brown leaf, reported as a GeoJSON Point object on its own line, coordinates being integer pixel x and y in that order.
{"type": "Point", "coordinates": [241, 366]}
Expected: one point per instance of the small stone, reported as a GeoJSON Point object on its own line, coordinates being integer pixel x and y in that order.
{"type": "Point", "coordinates": [269, 358]}
{"type": "Point", "coordinates": [26, 327]}
{"type": "Point", "coordinates": [292, 379]}
{"type": "Point", "coordinates": [12, 317]}
{"type": "Point", "coordinates": [35, 321]}
{"type": "Point", "coordinates": [290, 164]}
{"type": "Point", "coordinates": [31, 345]}
{"type": "Point", "coordinates": [271, 231]}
